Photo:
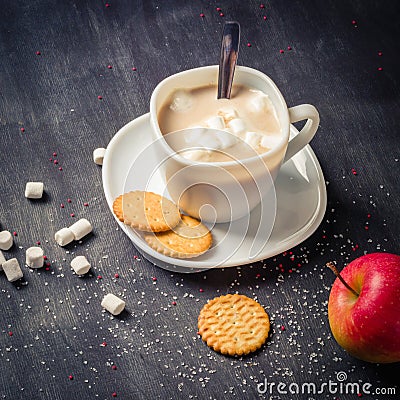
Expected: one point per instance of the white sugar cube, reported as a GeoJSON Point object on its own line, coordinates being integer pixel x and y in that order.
{"type": "Point", "coordinates": [12, 270]}
{"type": "Point", "coordinates": [237, 126]}
{"type": "Point", "coordinates": [34, 257]}
{"type": "Point", "coordinates": [216, 122]}
{"type": "Point", "coordinates": [64, 236]}
{"type": "Point", "coordinates": [98, 155]}
{"type": "Point", "coordinates": [113, 304]}
{"type": "Point", "coordinates": [6, 240]}
{"type": "Point", "coordinates": [81, 228]}
{"type": "Point", "coordinates": [80, 265]}
{"type": "Point", "coordinates": [2, 260]}
{"type": "Point", "coordinates": [34, 190]}
{"type": "Point", "coordinates": [252, 139]}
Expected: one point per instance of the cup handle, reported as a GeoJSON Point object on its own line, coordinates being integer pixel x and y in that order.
{"type": "Point", "coordinates": [298, 113]}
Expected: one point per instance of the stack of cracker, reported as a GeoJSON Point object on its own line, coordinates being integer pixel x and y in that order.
{"type": "Point", "coordinates": [172, 233]}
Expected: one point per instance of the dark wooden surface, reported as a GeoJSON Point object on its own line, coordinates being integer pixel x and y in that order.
{"type": "Point", "coordinates": [56, 320]}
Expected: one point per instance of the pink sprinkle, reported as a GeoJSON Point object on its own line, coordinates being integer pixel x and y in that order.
{"type": "Point", "coordinates": [116, 276]}
{"type": "Point", "coordinates": [55, 162]}
{"type": "Point", "coordinates": [114, 367]}
{"type": "Point", "coordinates": [281, 51]}
{"type": "Point", "coordinates": [69, 200]}
{"type": "Point", "coordinates": [380, 53]}
{"type": "Point", "coordinates": [62, 205]}
{"type": "Point", "coordinates": [104, 344]}
{"type": "Point", "coordinates": [50, 159]}
{"type": "Point", "coordinates": [258, 275]}
{"type": "Point", "coordinates": [248, 44]}
{"type": "Point", "coordinates": [154, 278]}
{"type": "Point", "coordinates": [114, 394]}
{"type": "Point", "coordinates": [54, 154]}
{"type": "Point", "coordinates": [100, 97]}
{"type": "Point", "coordinates": [72, 215]}
{"type": "Point", "coordinates": [60, 168]}
{"type": "Point", "coordinates": [282, 328]}
{"type": "Point", "coordinates": [10, 333]}
{"type": "Point", "coordinates": [85, 203]}
{"type": "Point", "coordinates": [44, 257]}
{"type": "Point", "coordinates": [15, 233]}
{"type": "Point", "coordinates": [368, 215]}
{"type": "Point", "coordinates": [202, 15]}
{"type": "Point", "coordinates": [289, 48]}
{"type": "Point", "coordinates": [366, 227]}
{"type": "Point", "coordinates": [174, 303]}
{"type": "Point", "coordinates": [22, 129]}
{"type": "Point", "coordinates": [354, 22]}
{"type": "Point", "coordinates": [264, 17]}
{"type": "Point", "coordinates": [109, 66]}
{"type": "Point", "coordinates": [380, 69]}
{"type": "Point", "coordinates": [38, 243]}
{"type": "Point", "coordinates": [107, 5]}
{"type": "Point", "coordinates": [353, 171]}
{"type": "Point", "coordinates": [135, 257]}
{"type": "Point", "coordinates": [221, 14]}
{"type": "Point", "coordinates": [38, 53]}
{"type": "Point", "coordinates": [99, 277]}
{"type": "Point", "coordinates": [201, 290]}
{"type": "Point", "coordinates": [70, 377]}
{"type": "Point", "coordinates": [262, 6]}
{"type": "Point", "coordinates": [218, 9]}
{"type": "Point", "coordinates": [134, 68]}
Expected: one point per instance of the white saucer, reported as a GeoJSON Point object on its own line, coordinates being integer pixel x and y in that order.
{"type": "Point", "coordinates": [300, 198]}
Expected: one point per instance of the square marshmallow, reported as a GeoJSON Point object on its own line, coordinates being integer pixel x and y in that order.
{"type": "Point", "coordinates": [12, 270]}
{"type": "Point", "coordinates": [34, 190]}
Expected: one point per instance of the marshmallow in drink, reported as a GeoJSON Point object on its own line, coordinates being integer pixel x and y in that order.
{"type": "Point", "coordinates": [12, 270]}
{"type": "Point", "coordinates": [113, 304]}
{"type": "Point", "coordinates": [237, 126]}
{"type": "Point", "coordinates": [6, 240]}
{"type": "Point", "coordinates": [81, 228]}
{"type": "Point", "coordinates": [226, 138]}
{"type": "Point", "coordinates": [227, 113]}
{"type": "Point", "coordinates": [252, 139]}
{"type": "Point", "coordinates": [181, 101]}
{"type": "Point", "coordinates": [270, 141]}
{"type": "Point", "coordinates": [216, 122]}
{"type": "Point", "coordinates": [209, 141]}
{"type": "Point", "coordinates": [80, 265]}
{"type": "Point", "coordinates": [261, 102]}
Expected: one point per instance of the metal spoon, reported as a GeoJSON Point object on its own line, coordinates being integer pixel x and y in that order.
{"type": "Point", "coordinates": [228, 58]}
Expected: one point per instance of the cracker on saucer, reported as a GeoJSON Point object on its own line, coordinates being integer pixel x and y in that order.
{"type": "Point", "coordinates": [146, 211]}
{"type": "Point", "coordinates": [233, 324]}
{"type": "Point", "coordinates": [190, 238]}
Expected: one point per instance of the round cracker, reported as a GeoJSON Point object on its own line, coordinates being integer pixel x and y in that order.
{"type": "Point", "coordinates": [190, 238]}
{"type": "Point", "coordinates": [146, 211]}
{"type": "Point", "coordinates": [233, 324]}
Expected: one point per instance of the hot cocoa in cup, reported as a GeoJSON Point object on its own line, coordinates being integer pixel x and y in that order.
{"type": "Point", "coordinates": [224, 164]}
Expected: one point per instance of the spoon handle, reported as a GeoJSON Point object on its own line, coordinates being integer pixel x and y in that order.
{"type": "Point", "coordinates": [228, 58]}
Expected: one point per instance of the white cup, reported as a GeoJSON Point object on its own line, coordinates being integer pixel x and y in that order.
{"type": "Point", "coordinates": [227, 191]}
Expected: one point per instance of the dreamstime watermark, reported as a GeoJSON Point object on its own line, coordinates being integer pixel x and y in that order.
{"type": "Point", "coordinates": [339, 386]}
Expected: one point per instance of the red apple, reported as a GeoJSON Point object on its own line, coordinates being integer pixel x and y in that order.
{"type": "Point", "coordinates": [364, 308]}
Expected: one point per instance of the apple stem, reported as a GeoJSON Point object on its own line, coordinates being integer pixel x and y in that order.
{"type": "Point", "coordinates": [332, 267]}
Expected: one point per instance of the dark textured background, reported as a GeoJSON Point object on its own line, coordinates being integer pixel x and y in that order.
{"type": "Point", "coordinates": [56, 320]}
